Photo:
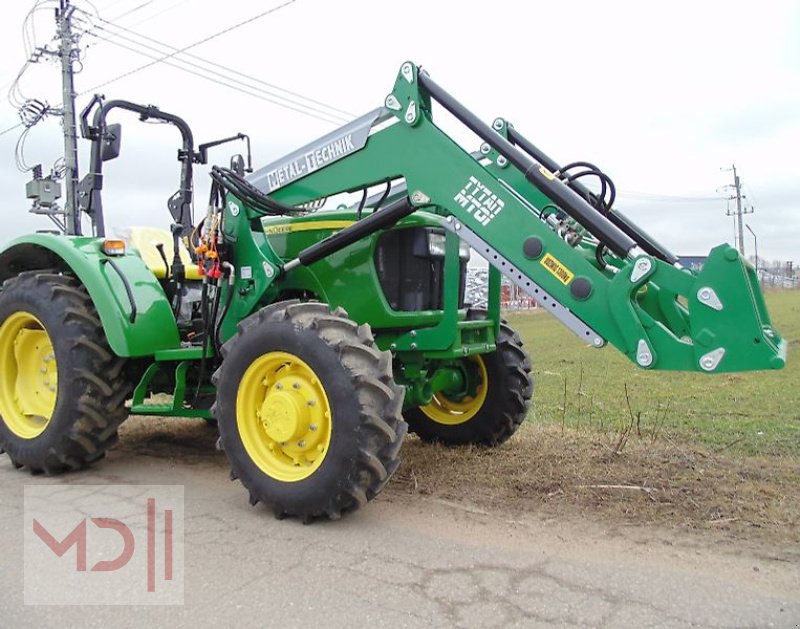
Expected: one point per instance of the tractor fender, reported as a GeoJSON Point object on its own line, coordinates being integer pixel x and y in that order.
{"type": "Point", "coordinates": [137, 318]}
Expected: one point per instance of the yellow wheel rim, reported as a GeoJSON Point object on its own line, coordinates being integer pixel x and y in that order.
{"type": "Point", "coordinates": [28, 375]}
{"type": "Point", "coordinates": [451, 412]}
{"type": "Point", "coordinates": [283, 416]}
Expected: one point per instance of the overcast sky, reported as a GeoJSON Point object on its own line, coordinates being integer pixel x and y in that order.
{"type": "Point", "coordinates": [662, 96]}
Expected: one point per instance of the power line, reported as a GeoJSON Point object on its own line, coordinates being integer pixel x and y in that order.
{"type": "Point", "coordinates": [19, 152]}
{"type": "Point", "coordinates": [15, 96]}
{"type": "Point", "coordinates": [10, 129]}
{"type": "Point", "coordinates": [29, 26]}
{"type": "Point", "coordinates": [269, 92]}
{"type": "Point", "coordinates": [655, 196]}
{"type": "Point", "coordinates": [212, 63]}
{"type": "Point", "coordinates": [220, 79]}
{"type": "Point", "coordinates": [133, 10]}
{"type": "Point", "coordinates": [190, 46]}
{"type": "Point", "coordinates": [330, 113]}
{"type": "Point", "coordinates": [669, 197]}
{"type": "Point", "coordinates": [152, 15]}
{"type": "Point", "coordinates": [31, 111]}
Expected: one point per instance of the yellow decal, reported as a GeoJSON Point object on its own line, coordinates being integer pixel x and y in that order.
{"type": "Point", "coordinates": [287, 228]}
{"type": "Point", "coordinates": [562, 273]}
{"type": "Point", "coordinates": [547, 173]}
{"type": "Point", "coordinates": [277, 229]}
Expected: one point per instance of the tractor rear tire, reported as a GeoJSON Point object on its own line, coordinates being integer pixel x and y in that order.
{"type": "Point", "coordinates": [497, 409]}
{"type": "Point", "coordinates": [62, 389]}
{"type": "Point", "coordinates": [308, 413]}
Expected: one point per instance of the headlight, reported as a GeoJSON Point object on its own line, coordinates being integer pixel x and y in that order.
{"type": "Point", "coordinates": [431, 243]}
{"type": "Point", "coordinates": [436, 242]}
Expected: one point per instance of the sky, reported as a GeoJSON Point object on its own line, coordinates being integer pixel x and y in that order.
{"type": "Point", "coordinates": [664, 97]}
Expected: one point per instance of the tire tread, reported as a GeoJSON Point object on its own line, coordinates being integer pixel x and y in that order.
{"type": "Point", "coordinates": [381, 428]}
{"type": "Point", "coordinates": [96, 392]}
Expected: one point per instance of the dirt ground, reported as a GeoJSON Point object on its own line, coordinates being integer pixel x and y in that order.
{"type": "Point", "coordinates": [549, 530]}
{"type": "Point", "coordinates": [685, 491]}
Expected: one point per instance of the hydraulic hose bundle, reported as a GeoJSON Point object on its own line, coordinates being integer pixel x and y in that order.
{"type": "Point", "coordinates": [226, 180]}
{"type": "Point", "coordinates": [560, 221]}
{"type": "Point", "coordinates": [603, 201]}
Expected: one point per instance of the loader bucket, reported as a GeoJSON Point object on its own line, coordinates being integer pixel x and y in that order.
{"type": "Point", "coordinates": [730, 326]}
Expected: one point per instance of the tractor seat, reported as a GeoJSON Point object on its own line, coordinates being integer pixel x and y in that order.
{"type": "Point", "coordinates": [145, 241]}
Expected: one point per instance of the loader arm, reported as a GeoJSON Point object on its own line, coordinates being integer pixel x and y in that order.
{"type": "Point", "coordinates": [599, 274]}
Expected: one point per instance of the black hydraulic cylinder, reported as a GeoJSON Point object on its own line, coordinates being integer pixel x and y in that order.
{"type": "Point", "coordinates": [569, 200]}
{"type": "Point", "coordinates": [381, 219]}
{"type": "Point", "coordinates": [647, 242]}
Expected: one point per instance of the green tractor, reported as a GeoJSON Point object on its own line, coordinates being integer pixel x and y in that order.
{"type": "Point", "coordinates": [316, 338]}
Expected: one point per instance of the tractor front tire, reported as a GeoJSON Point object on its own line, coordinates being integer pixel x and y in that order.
{"type": "Point", "coordinates": [62, 389]}
{"type": "Point", "coordinates": [497, 407]}
{"type": "Point", "coordinates": [308, 411]}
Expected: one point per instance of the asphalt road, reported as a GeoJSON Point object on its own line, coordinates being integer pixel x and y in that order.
{"type": "Point", "coordinates": [406, 561]}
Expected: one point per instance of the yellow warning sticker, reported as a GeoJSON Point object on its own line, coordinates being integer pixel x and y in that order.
{"type": "Point", "coordinates": [562, 273]}
{"type": "Point", "coordinates": [277, 229]}
{"type": "Point", "coordinates": [290, 228]}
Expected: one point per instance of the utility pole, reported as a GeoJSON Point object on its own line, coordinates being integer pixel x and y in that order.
{"type": "Point", "coordinates": [66, 50]}
{"type": "Point", "coordinates": [737, 187]}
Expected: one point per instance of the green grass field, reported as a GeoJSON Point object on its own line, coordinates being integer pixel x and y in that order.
{"type": "Point", "coordinates": [756, 413]}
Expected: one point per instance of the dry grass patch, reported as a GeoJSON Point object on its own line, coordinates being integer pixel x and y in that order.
{"type": "Point", "coordinates": [556, 472]}
{"type": "Point", "coordinates": [563, 473]}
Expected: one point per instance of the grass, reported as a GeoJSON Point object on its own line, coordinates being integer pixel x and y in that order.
{"type": "Point", "coordinates": [580, 388]}
{"type": "Point", "coordinates": [608, 441]}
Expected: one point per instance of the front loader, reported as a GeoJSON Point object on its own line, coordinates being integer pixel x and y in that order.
{"type": "Point", "coordinates": [316, 337]}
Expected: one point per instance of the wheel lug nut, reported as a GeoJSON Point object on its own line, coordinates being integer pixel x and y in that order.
{"type": "Point", "coordinates": [279, 385]}
{"type": "Point", "coordinates": [43, 370]}
{"type": "Point", "coordinates": [312, 427]}
{"type": "Point", "coordinates": [296, 385]}
{"type": "Point", "coordinates": [311, 403]}
{"type": "Point", "coordinates": [301, 444]}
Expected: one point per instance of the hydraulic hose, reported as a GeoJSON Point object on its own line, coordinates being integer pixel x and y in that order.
{"type": "Point", "coordinates": [256, 200]}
